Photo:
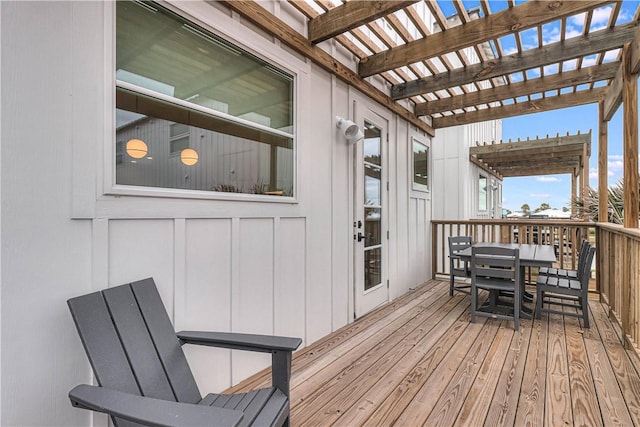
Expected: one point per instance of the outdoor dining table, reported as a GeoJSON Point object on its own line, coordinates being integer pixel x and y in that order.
{"type": "Point", "coordinates": [530, 256]}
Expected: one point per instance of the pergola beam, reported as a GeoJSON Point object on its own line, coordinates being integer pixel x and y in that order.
{"type": "Point", "coordinates": [515, 90]}
{"type": "Point", "coordinates": [554, 144]}
{"type": "Point", "coordinates": [524, 171]}
{"type": "Point", "coordinates": [565, 162]}
{"type": "Point", "coordinates": [630, 136]}
{"type": "Point", "coordinates": [598, 41]}
{"type": "Point", "coordinates": [614, 96]}
{"type": "Point", "coordinates": [521, 17]}
{"type": "Point", "coordinates": [603, 187]}
{"type": "Point", "coordinates": [351, 15]}
{"type": "Point", "coordinates": [522, 108]}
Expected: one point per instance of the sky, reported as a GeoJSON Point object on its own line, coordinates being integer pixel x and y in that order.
{"type": "Point", "coordinates": [555, 190]}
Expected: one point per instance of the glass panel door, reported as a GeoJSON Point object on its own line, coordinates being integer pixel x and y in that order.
{"type": "Point", "coordinates": [370, 230]}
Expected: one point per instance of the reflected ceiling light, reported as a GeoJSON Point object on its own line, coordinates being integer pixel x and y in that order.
{"type": "Point", "coordinates": [136, 148]}
{"type": "Point", "coordinates": [189, 156]}
{"type": "Point", "coordinates": [349, 129]}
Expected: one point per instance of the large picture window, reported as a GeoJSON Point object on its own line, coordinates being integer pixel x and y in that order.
{"type": "Point", "coordinates": [196, 112]}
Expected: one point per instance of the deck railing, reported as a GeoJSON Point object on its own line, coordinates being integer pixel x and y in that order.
{"type": "Point", "coordinates": [618, 260]}
{"type": "Point", "coordinates": [617, 267]}
{"type": "Point", "coordinates": [564, 235]}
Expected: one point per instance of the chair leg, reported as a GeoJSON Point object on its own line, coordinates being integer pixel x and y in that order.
{"type": "Point", "coordinates": [539, 298]}
{"type": "Point", "coordinates": [585, 311]}
{"type": "Point", "coordinates": [474, 303]}
{"type": "Point", "coordinates": [451, 279]}
{"type": "Point", "coordinates": [517, 302]}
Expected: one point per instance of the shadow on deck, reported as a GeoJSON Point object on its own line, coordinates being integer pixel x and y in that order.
{"type": "Point", "coordinates": [418, 361]}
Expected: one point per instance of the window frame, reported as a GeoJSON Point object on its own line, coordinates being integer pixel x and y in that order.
{"type": "Point", "coordinates": [232, 35]}
{"type": "Point", "coordinates": [486, 192]}
{"type": "Point", "coordinates": [415, 186]}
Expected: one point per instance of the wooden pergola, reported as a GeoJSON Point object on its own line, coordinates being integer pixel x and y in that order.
{"type": "Point", "coordinates": [541, 156]}
{"type": "Point", "coordinates": [454, 71]}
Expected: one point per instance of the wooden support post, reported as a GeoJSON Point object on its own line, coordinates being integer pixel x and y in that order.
{"type": "Point", "coordinates": [630, 151]}
{"type": "Point", "coordinates": [603, 187]}
{"type": "Point", "coordinates": [573, 193]}
{"type": "Point", "coordinates": [584, 180]}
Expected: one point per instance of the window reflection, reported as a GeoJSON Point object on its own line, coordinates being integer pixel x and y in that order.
{"type": "Point", "coordinates": [482, 193]}
{"type": "Point", "coordinates": [420, 166]}
{"type": "Point", "coordinates": [372, 268]}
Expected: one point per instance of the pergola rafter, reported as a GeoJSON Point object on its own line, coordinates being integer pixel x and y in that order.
{"type": "Point", "coordinates": [527, 15]}
{"type": "Point", "coordinates": [529, 87]}
{"type": "Point", "coordinates": [600, 41]}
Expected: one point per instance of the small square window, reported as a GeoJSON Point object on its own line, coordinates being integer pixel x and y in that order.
{"type": "Point", "coordinates": [420, 166]}
{"type": "Point", "coordinates": [178, 138]}
{"type": "Point", "coordinates": [482, 193]}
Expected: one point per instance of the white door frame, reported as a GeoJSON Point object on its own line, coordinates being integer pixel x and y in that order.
{"type": "Point", "coordinates": [376, 239]}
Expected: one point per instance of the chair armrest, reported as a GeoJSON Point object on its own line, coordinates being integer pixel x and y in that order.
{"type": "Point", "coordinates": [148, 411]}
{"type": "Point", "coordinates": [251, 342]}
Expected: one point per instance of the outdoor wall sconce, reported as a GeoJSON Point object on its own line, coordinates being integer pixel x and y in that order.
{"type": "Point", "coordinates": [349, 129]}
{"type": "Point", "coordinates": [189, 156]}
{"type": "Point", "coordinates": [137, 148]}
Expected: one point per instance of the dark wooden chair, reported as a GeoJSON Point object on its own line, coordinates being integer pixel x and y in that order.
{"type": "Point", "coordinates": [566, 291]}
{"type": "Point", "coordinates": [496, 270]}
{"type": "Point", "coordinates": [142, 372]}
{"type": "Point", "coordinates": [457, 266]}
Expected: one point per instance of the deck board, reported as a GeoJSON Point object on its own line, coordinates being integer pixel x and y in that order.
{"type": "Point", "coordinates": [419, 361]}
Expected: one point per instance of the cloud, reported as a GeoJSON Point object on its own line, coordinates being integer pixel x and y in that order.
{"type": "Point", "coordinates": [547, 179]}
{"type": "Point", "coordinates": [569, 65]}
{"type": "Point", "coordinates": [550, 34]}
{"type": "Point", "coordinates": [611, 55]}
{"type": "Point", "coordinates": [540, 195]}
{"type": "Point", "coordinates": [577, 20]}
{"type": "Point", "coordinates": [600, 18]}
{"type": "Point", "coordinates": [571, 33]}
{"type": "Point", "coordinates": [615, 164]}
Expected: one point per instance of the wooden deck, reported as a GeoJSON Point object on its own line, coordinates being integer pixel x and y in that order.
{"type": "Point", "coordinates": [418, 361]}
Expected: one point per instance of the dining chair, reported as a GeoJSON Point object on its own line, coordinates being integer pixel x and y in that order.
{"type": "Point", "coordinates": [567, 291]}
{"type": "Point", "coordinates": [496, 270]}
{"type": "Point", "coordinates": [457, 266]}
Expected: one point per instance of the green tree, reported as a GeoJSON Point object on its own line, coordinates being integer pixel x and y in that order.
{"type": "Point", "coordinates": [615, 207]}
{"type": "Point", "coordinates": [543, 207]}
{"type": "Point", "coordinates": [525, 209]}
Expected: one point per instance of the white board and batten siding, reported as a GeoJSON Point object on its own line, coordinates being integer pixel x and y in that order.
{"type": "Point", "coordinates": [456, 190]}
{"type": "Point", "coordinates": [248, 265]}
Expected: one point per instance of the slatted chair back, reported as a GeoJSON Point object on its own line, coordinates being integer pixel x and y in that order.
{"type": "Point", "coordinates": [584, 270]}
{"type": "Point", "coordinates": [496, 269]}
{"type": "Point", "coordinates": [458, 267]}
{"type": "Point", "coordinates": [131, 343]}
{"type": "Point", "coordinates": [565, 291]}
{"type": "Point", "coordinates": [489, 262]}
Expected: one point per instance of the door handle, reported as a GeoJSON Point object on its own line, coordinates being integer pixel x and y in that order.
{"type": "Point", "coordinates": [359, 237]}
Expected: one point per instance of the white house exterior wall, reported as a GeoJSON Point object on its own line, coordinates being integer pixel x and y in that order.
{"type": "Point", "coordinates": [230, 265]}
{"type": "Point", "coordinates": [456, 190]}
